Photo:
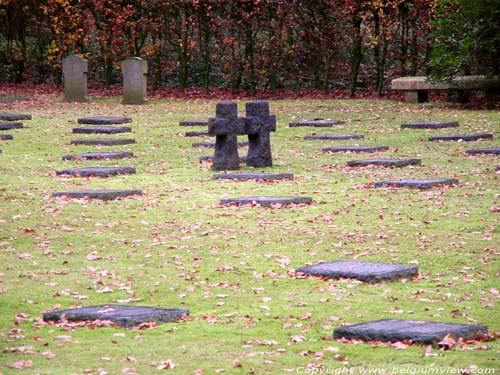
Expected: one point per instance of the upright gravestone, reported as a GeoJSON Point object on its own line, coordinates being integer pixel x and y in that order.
{"type": "Point", "coordinates": [258, 125]}
{"type": "Point", "coordinates": [75, 71]}
{"type": "Point", "coordinates": [134, 70]}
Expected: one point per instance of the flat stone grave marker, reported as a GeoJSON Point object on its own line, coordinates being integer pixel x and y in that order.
{"type": "Point", "coordinates": [194, 123]}
{"type": "Point", "coordinates": [97, 129]}
{"type": "Point", "coordinates": [364, 271]}
{"type": "Point", "coordinates": [212, 144]}
{"type": "Point", "coordinates": [491, 150]}
{"type": "Point", "coordinates": [334, 137]}
{"type": "Point", "coordinates": [12, 99]}
{"type": "Point", "coordinates": [14, 116]}
{"type": "Point", "coordinates": [104, 120]}
{"type": "Point", "coordinates": [210, 159]}
{"type": "Point", "coordinates": [384, 162]}
{"type": "Point", "coordinates": [11, 125]}
{"type": "Point", "coordinates": [461, 137]}
{"type": "Point", "coordinates": [103, 141]}
{"type": "Point", "coordinates": [418, 183]}
{"type": "Point", "coordinates": [266, 201]}
{"type": "Point", "coordinates": [96, 171]}
{"type": "Point", "coordinates": [316, 123]}
{"type": "Point", "coordinates": [430, 125]}
{"type": "Point", "coordinates": [105, 195]}
{"type": "Point", "coordinates": [356, 149]}
{"type": "Point", "coordinates": [200, 133]}
{"type": "Point", "coordinates": [416, 331]}
{"type": "Point", "coordinates": [123, 315]}
{"type": "Point", "coordinates": [6, 137]}
{"type": "Point", "coordinates": [99, 155]}
{"type": "Point", "coordinates": [253, 176]}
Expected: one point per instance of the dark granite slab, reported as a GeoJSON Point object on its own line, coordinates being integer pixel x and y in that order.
{"type": "Point", "coordinates": [490, 150]}
{"type": "Point", "coordinates": [210, 159]}
{"type": "Point", "coordinates": [13, 99]}
{"type": "Point", "coordinates": [6, 137]}
{"type": "Point", "coordinates": [364, 271]}
{"type": "Point", "coordinates": [418, 183]}
{"type": "Point", "coordinates": [253, 176]}
{"type": "Point", "coordinates": [104, 120]}
{"type": "Point", "coordinates": [333, 137]}
{"type": "Point", "coordinates": [384, 162]}
{"type": "Point", "coordinates": [212, 144]}
{"type": "Point", "coordinates": [461, 137]}
{"type": "Point", "coordinates": [10, 125]}
{"type": "Point", "coordinates": [194, 123]}
{"type": "Point", "coordinates": [319, 123]}
{"type": "Point", "coordinates": [356, 149]}
{"type": "Point", "coordinates": [267, 201]}
{"type": "Point", "coordinates": [14, 116]}
{"type": "Point", "coordinates": [200, 133]}
{"type": "Point", "coordinates": [102, 129]}
{"type": "Point", "coordinates": [99, 155]}
{"type": "Point", "coordinates": [105, 195]}
{"type": "Point", "coordinates": [430, 125]}
{"type": "Point", "coordinates": [96, 171]}
{"type": "Point", "coordinates": [103, 141]}
{"type": "Point", "coordinates": [416, 331]}
{"type": "Point", "coordinates": [123, 315]}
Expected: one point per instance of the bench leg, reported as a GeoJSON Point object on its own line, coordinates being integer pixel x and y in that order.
{"type": "Point", "coordinates": [418, 96]}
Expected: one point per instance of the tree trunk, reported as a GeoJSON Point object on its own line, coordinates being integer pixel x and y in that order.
{"type": "Point", "coordinates": [356, 54]}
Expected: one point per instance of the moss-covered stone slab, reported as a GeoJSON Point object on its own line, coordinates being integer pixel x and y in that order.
{"type": "Point", "coordinates": [461, 137]}
{"type": "Point", "coordinates": [96, 171]}
{"type": "Point", "coordinates": [6, 137]}
{"type": "Point", "coordinates": [316, 123]}
{"type": "Point", "coordinates": [418, 183]}
{"type": "Point", "coordinates": [102, 129]}
{"type": "Point", "coordinates": [416, 331]}
{"type": "Point", "coordinates": [266, 201]}
{"type": "Point", "coordinates": [122, 315]}
{"type": "Point", "coordinates": [194, 123]}
{"type": "Point", "coordinates": [490, 150]}
{"type": "Point", "coordinates": [103, 141]}
{"type": "Point", "coordinates": [105, 195]}
{"type": "Point", "coordinates": [200, 133]}
{"type": "Point", "coordinates": [384, 162]}
{"type": "Point", "coordinates": [430, 125]}
{"type": "Point", "coordinates": [14, 116]}
{"type": "Point", "coordinates": [99, 155]}
{"type": "Point", "coordinates": [364, 271]}
{"type": "Point", "coordinates": [356, 149]}
{"type": "Point", "coordinates": [212, 144]}
{"type": "Point", "coordinates": [253, 176]}
{"type": "Point", "coordinates": [333, 137]}
{"type": "Point", "coordinates": [11, 125]}
{"type": "Point", "coordinates": [104, 120]}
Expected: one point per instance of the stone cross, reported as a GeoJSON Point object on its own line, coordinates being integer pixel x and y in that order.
{"type": "Point", "coordinates": [258, 125]}
{"type": "Point", "coordinates": [134, 70]}
{"type": "Point", "coordinates": [75, 71]}
{"type": "Point", "coordinates": [226, 125]}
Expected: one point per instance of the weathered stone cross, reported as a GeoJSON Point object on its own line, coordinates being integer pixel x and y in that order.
{"type": "Point", "coordinates": [258, 125]}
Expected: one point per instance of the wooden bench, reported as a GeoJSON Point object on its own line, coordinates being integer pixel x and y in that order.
{"type": "Point", "coordinates": [416, 89]}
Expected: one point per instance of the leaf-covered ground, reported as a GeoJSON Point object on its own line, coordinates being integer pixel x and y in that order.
{"type": "Point", "coordinates": [233, 268]}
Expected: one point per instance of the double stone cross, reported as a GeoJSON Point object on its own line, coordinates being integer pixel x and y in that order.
{"type": "Point", "coordinates": [226, 126]}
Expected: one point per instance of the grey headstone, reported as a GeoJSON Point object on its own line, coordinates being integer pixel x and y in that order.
{"type": "Point", "coordinates": [75, 71]}
{"type": "Point", "coordinates": [194, 123]}
{"type": "Point", "coordinates": [430, 125]}
{"type": "Point", "coordinates": [134, 71]}
{"type": "Point", "coordinates": [384, 162]}
{"type": "Point", "coordinates": [258, 126]}
{"type": "Point", "coordinates": [99, 155]}
{"type": "Point", "coordinates": [356, 149]}
{"type": "Point", "coordinates": [123, 315]}
{"type": "Point", "coordinates": [11, 125]}
{"type": "Point", "coordinates": [491, 150]}
{"type": "Point", "coordinates": [103, 141]}
{"type": "Point", "coordinates": [267, 201]}
{"type": "Point", "coordinates": [96, 171]}
{"type": "Point", "coordinates": [316, 123]}
{"type": "Point", "coordinates": [333, 137]}
{"type": "Point", "coordinates": [416, 331]}
{"type": "Point", "coordinates": [14, 116]}
{"type": "Point", "coordinates": [104, 120]}
{"type": "Point", "coordinates": [6, 137]}
{"type": "Point", "coordinates": [254, 176]}
{"type": "Point", "coordinates": [105, 195]}
{"type": "Point", "coordinates": [364, 271]}
{"type": "Point", "coordinates": [102, 129]}
{"type": "Point", "coordinates": [200, 133]}
{"type": "Point", "coordinates": [418, 183]}
{"type": "Point", "coordinates": [461, 137]}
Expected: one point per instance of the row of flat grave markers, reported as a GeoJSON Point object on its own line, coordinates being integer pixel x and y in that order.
{"type": "Point", "coordinates": [10, 121]}
{"type": "Point", "coordinates": [100, 125]}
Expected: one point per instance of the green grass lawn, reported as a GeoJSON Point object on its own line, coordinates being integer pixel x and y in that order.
{"type": "Point", "coordinates": [233, 268]}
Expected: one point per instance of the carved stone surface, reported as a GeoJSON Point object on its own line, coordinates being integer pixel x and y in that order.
{"type": "Point", "coordinates": [418, 183]}
{"type": "Point", "coordinates": [134, 71]}
{"type": "Point", "coordinates": [104, 120]}
{"type": "Point", "coordinates": [14, 116]}
{"type": "Point", "coordinates": [364, 271]}
{"type": "Point", "coordinates": [461, 137]}
{"type": "Point", "coordinates": [11, 125]}
{"type": "Point", "coordinates": [254, 176]}
{"type": "Point", "coordinates": [75, 70]}
{"type": "Point", "coordinates": [430, 125]}
{"type": "Point", "coordinates": [103, 141]}
{"type": "Point", "coordinates": [105, 195]}
{"type": "Point", "coordinates": [356, 149]}
{"type": "Point", "coordinates": [96, 171]}
{"type": "Point", "coordinates": [267, 201]}
{"type": "Point", "coordinates": [99, 155]}
{"type": "Point", "coordinates": [318, 123]}
{"type": "Point", "coordinates": [384, 162]}
{"type": "Point", "coordinates": [490, 150]}
{"type": "Point", "coordinates": [258, 126]}
{"type": "Point", "coordinates": [416, 331]}
{"type": "Point", "coordinates": [334, 137]}
{"type": "Point", "coordinates": [102, 129]}
{"type": "Point", "coordinates": [123, 315]}
{"type": "Point", "coordinates": [6, 137]}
